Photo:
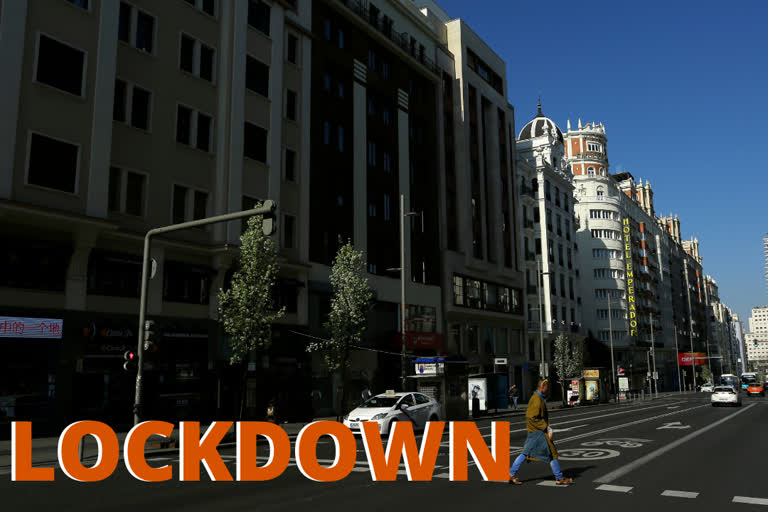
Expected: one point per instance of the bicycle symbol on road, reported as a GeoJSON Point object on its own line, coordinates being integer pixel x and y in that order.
{"type": "Point", "coordinates": [621, 443]}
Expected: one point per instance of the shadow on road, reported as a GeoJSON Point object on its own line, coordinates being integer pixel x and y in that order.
{"type": "Point", "coordinates": [574, 473]}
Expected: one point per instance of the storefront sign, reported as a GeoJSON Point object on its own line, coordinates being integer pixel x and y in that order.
{"type": "Point", "coordinates": [428, 368]}
{"type": "Point", "coordinates": [591, 374]}
{"type": "Point", "coordinates": [420, 340]}
{"type": "Point", "coordinates": [630, 275]}
{"type": "Point", "coordinates": [18, 327]}
{"type": "Point", "coordinates": [687, 358]}
{"type": "Point", "coordinates": [623, 384]}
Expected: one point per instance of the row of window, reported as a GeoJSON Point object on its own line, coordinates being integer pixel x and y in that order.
{"type": "Point", "coordinates": [386, 211]}
{"type": "Point", "coordinates": [608, 273]}
{"type": "Point", "coordinates": [604, 214]}
{"type": "Point", "coordinates": [610, 254]}
{"type": "Point", "coordinates": [386, 157]}
{"type": "Point", "coordinates": [477, 294]}
{"type": "Point", "coordinates": [606, 234]}
{"type": "Point", "coordinates": [601, 293]}
{"type": "Point", "coordinates": [616, 314]}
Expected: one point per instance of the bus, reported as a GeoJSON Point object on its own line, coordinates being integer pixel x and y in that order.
{"type": "Point", "coordinates": [731, 380]}
{"type": "Point", "coordinates": [747, 379]}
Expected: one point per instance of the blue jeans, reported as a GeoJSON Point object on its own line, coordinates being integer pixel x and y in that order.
{"type": "Point", "coordinates": [514, 399]}
{"type": "Point", "coordinates": [555, 465]}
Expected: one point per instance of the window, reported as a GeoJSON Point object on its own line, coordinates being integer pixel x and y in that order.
{"type": "Point", "coordinates": [197, 58]}
{"type": "Point", "coordinates": [326, 133]}
{"type": "Point", "coordinates": [594, 147]}
{"type": "Point", "coordinates": [127, 191]}
{"type": "Point", "coordinates": [371, 209]}
{"type": "Point", "coordinates": [600, 191]}
{"type": "Point", "coordinates": [387, 207]}
{"type": "Point", "coordinates": [387, 162]}
{"type": "Point", "coordinates": [188, 204]}
{"type": "Point", "coordinates": [385, 70]}
{"type": "Point", "coordinates": [53, 163]}
{"type": "Point", "coordinates": [114, 274]}
{"type": "Point", "coordinates": [372, 153]}
{"type": "Point", "coordinates": [293, 45]}
{"type": "Point", "coordinates": [327, 29]}
{"type": "Point", "coordinates": [289, 227]}
{"type": "Point", "coordinates": [255, 142]}
{"type": "Point", "coordinates": [372, 60]}
{"type": "Point", "coordinates": [207, 6]}
{"type": "Point", "coordinates": [290, 165]}
{"type": "Point", "coordinates": [257, 76]}
{"type": "Point", "coordinates": [340, 131]}
{"type": "Point", "coordinates": [186, 283]}
{"type": "Point", "coordinates": [290, 104]}
{"type": "Point", "coordinates": [258, 15]}
{"type": "Point", "coordinates": [133, 99]}
{"type": "Point", "coordinates": [60, 66]}
{"type": "Point", "coordinates": [136, 28]}
{"type": "Point", "coordinates": [590, 171]}
{"type": "Point", "coordinates": [193, 128]}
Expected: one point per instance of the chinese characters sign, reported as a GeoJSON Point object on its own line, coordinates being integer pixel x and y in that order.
{"type": "Point", "coordinates": [18, 327]}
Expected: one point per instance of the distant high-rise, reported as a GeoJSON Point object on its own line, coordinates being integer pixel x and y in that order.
{"type": "Point", "coordinates": [765, 249]}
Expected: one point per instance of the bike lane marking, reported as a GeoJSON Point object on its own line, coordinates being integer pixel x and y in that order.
{"type": "Point", "coordinates": [627, 468]}
{"type": "Point", "coordinates": [680, 494]}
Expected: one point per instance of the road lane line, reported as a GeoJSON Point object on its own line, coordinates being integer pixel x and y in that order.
{"type": "Point", "coordinates": [614, 488]}
{"type": "Point", "coordinates": [550, 483]}
{"type": "Point", "coordinates": [618, 473]}
{"type": "Point", "coordinates": [680, 494]}
{"type": "Point", "coordinates": [750, 501]}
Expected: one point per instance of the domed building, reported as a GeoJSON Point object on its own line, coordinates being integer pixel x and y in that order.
{"type": "Point", "coordinates": [546, 210]}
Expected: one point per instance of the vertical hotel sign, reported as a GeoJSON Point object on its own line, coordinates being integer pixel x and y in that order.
{"type": "Point", "coordinates": [630, 272]}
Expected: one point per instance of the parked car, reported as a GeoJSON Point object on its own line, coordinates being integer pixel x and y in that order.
{"type": "Point", "coordinates": [707, 387]}
{"type": "Point", "coordinates": [386, 409]}
{"type": "Point", "coordinates": [755, 389]}
{"type": "Point", "coordinates": [726, 395]}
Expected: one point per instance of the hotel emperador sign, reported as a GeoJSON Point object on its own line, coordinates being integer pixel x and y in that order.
{"type": "Point", "coordinates": [630, 277]}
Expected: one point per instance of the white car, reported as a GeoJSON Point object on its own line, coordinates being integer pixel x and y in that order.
{"type": "Point", "coordinates": [388, 408]}
{"type": "Point", "coordinates": [707, 388]}
{"type": "Point", "coordinates": [726, 395]}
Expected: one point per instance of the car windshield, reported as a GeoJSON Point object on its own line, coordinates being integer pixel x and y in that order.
{"type": "Point", "coordinates": [723, 390]}
{"type": "Point", "coordinates": [381, 401]}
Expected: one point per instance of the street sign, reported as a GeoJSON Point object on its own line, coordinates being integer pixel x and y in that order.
{"type": "Point", "coordinates": [500, 360]}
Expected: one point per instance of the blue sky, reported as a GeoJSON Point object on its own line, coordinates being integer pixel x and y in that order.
{"type": "Point", "coordinates": [682, 88]}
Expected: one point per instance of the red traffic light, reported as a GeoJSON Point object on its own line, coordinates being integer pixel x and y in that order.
{"type": "Point", "coordinates": [129, 355]}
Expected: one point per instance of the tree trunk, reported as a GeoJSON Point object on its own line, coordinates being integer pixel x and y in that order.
{"type": "Point", "coordinates": [562, 387]}
{"type": "Point", "coordinates": [244, 393]}
{"type": "Point", "coordinates": [344, 371]}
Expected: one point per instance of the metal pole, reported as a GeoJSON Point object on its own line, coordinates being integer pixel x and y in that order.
{"type": "Point", "coordinates": [402, 291]}
{"type": "Point", "coordinates": [677, 354]}
{"type": "Point", "coordinates": [653, 355]}
{"type": "Point", "coordinates": [541, 316]}
{"type": "Point", "coordinates": [268, 207]}
{"type": "Point", "coordinates": [648, 377]}
{"type": "Point", "coordinates": [613, 363]}
{"type": "Point", "coordinates": [690, 325]}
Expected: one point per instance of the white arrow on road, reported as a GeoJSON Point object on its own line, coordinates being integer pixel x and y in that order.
{"type": "Point", "coordinates": [569, 428]}
{"type": "Point", "coordinates": [675, 424]}
{"type": "Point", "coordinates": [674, 407]}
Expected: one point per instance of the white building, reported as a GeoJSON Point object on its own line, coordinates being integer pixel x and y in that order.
{"type": "Point", "coordinates": [546, 213]}
{"type": "Point", "coordinates": [756, 340]}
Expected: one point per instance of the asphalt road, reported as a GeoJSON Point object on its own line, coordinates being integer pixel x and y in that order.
{"type": "Point", "coordinates": [678, 452]}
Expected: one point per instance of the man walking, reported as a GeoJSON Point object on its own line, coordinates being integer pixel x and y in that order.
{"type": "Point", "coordinates": [539, 444]}
{"type": "Point", "coordinates": [514, 394]}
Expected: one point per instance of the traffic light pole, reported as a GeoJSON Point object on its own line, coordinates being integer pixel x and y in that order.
{"type": "Point", "coordinates": [268, 209]}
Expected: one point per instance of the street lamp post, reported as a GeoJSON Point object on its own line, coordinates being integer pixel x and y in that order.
{"type": "Point", "coordinates": [403, 334]}
{"type": "Point", "coordinates": [613, 363]}
{"type": "Point", "coordinates": [543, 369]}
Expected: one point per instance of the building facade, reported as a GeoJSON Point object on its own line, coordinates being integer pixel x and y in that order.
{"type": "Point", "coordinates": [164, 112]}
{"type": "Point", "coordinates": [549, 248]}
{"type": "Point", "coordinates": [756, 340]}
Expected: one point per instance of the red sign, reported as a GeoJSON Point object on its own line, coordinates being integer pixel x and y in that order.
{"type": "Point", "coordinates": [421, 340]}
{"type": "Point", "coordinates": [687, 357]}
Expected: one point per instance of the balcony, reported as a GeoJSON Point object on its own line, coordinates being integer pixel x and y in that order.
{"type": "Point", "coordinates": [401, 39]}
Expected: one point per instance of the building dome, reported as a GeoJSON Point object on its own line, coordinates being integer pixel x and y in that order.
{"type": "Point", "coordinates": [539, 126]}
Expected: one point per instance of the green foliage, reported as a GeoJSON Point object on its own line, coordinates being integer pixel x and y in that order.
{"type": "Point", "coordinates": [246, 309]}
{"type": "Point", "coordinates": [568, 358]}
{"type": "Point", "coordinates": [706, 374]}
{"type": "Point", "coordinates": [350, 304]}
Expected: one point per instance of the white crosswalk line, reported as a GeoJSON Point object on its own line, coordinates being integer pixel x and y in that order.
{"type": "Point", "coordinates": [680, 494]}
{"type": "Point", "coordinates": [751, 501]}
{"type": "Point", "coordinates": [550, 483]}
{"type": "Point", "coordinates": [614, 488]}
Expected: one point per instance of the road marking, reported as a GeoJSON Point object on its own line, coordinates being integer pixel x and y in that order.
{"type": "Point", "coordinates": [673, 407]}
{"type": "Point", "coordinates": [550, 483]}
{"type": "Point", "coordinates": [751, 501]}
{"type": "Point", "coordinates": [614, 488]}
{"type": "Point", "coordinates": [674, 424]}
{"type": "Point", "coordinates": [569, 428]}
{"type": "Point", "coordinates": [618, 473]}
{"type": "Point", "coordinates": [680, 494]}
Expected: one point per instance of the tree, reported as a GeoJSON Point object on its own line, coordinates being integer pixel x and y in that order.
{"type": "Point", "coordinates": [706, 374]}
{"type": "Point", "coordinates": [348, 318]}
{"type": "Point", "coordinates": [568, 359]}
{"type": "Point", "coordinates": [246, 309]}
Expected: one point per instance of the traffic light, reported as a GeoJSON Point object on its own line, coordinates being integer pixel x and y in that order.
{"type": "Point", "coordinates": [269, 223]}
{"type": "Point", "coordinates": [131, 361]}
{"type": "Point", "coordinates": [149, 334]}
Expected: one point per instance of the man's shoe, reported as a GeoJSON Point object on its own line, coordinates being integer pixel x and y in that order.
{"type": "Point", "coordinates": [564, 481]}
{"type": "Point", "coordinates": [514, 481]}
